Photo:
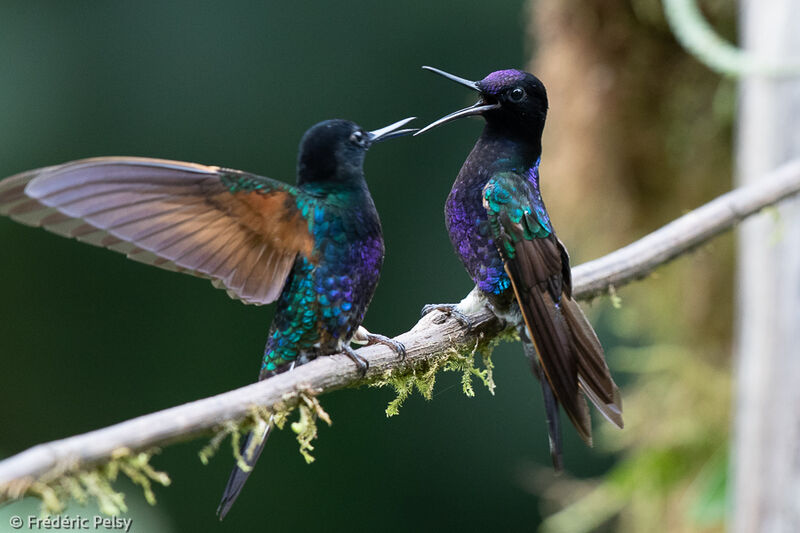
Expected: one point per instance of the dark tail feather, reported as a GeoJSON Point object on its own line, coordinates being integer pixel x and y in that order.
{"type": "Point", "coordinates": [550, 334]}
{"type": "Point", "coordinates": [553, 425]}
{"type": "Point", "coordinates": [550, 405]}
{"type": "Point", "coordinates": [238, 476]}
{"type": "Point", "coordinates": [593, 374]}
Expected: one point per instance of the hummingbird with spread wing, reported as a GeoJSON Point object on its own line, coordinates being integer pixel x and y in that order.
{"type": "Point", "coordinates": [315, 247]}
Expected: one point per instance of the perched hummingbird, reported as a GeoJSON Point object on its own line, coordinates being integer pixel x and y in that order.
{"type": "Point", "coordinates": [316, 247]}
{"type": "Point", "coordinates": [502, 233]}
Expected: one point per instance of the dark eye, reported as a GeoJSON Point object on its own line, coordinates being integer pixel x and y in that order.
{"type": "Point", "coordinates": [516, 94]}
{"type": "Point", "coordinates": [357, 137]}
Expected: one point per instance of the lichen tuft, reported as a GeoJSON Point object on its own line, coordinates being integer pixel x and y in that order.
{"type": "Point", "coordinates": [62, 484]}
{"type": "Point", "coordinates": [422, 375]}
{"type": "Point", "coordinates": [306, 427]}
{"type": "Point", "coordinates": [259, 418]}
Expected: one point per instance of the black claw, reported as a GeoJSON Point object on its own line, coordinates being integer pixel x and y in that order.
{"type": "Point", "coordinates": [430, 307]}
{"type": "Point", "coordinates": [397, 346]}
{"type": "Point", "coordinates": [401, 350]}
{"type": "Point", "coordinates": [363, 364]}
{"type": "Point", "coordinates": [448, 310]}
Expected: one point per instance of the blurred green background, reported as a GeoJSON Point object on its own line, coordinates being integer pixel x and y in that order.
{"type": "Point", "coordinates": [88, 338]}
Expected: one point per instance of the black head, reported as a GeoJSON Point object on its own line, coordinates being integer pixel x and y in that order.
{"type": "Point", "coordinates": [333, 151]}
{"type": "Point", "coordinates": [512, 101]}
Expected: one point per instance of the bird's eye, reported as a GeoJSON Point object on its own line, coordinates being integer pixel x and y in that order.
{"type": "Point", "coordinates": [516, 94]}
{"type": "Point", "coordinates": [357, 137]}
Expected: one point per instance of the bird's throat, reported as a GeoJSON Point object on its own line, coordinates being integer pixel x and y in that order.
{"type": "Point", "coordinates": [503, 153]}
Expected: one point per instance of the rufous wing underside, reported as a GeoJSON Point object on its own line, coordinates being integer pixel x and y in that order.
{"type": "Point", "coordinates": [174, 215]}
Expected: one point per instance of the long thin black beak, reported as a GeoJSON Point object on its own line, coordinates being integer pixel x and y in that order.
{"type": "Point", "coordinates": [477, 109]}
{"type": "Point", "coordinates": [471, 84]}
{"type": "Point", "coordinates": [391, 131]}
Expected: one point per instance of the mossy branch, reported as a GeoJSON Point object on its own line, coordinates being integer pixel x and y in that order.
{"type": "Point", "coordinates": [79, 464]}
{"type": "Point", "coordinates": [67, 482]}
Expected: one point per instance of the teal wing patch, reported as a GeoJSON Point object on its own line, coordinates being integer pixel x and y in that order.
{"type": "Point", "coordinates": [507, 195]}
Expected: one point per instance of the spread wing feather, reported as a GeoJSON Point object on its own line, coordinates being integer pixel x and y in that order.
{"type": "Point", "coordinates": [240, 230]}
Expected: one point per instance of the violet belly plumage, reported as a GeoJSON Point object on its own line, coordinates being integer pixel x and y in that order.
{"type": "Point", "coordinates": [468, 228]}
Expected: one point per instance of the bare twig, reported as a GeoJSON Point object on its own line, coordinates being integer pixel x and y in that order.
{"type": "Point", "coordinates": [426, 340]}
{"type": "Point", "coordinates": [641, 257]}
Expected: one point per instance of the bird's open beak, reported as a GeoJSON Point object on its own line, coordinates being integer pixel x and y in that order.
{"type": "Point", "coordinates": [471, 84]}
{"type": "Point", "coordinates": [480, 107]}
{"type": "Point", "coordinates": [391, 131]}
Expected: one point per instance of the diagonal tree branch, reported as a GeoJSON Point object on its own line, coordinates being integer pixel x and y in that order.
{"type": "Point", "coordinates": [426, 340]}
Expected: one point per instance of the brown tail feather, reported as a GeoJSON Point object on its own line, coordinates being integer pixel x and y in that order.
{"type": "Point", "coordinates": [569, 350]}
{"type": "Point", "coordinates": [593, 374]}
{"type": "Point", "coordinates": [550, 334]}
